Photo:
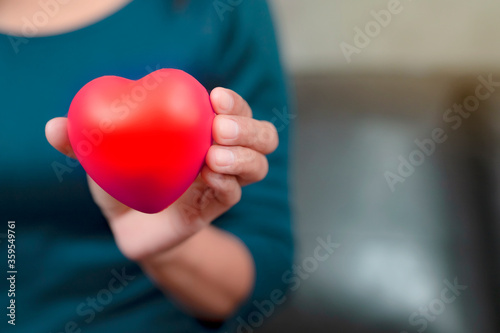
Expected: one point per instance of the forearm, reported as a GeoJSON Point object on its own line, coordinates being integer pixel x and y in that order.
{"type": "Point", "coordinates": [210, 274]}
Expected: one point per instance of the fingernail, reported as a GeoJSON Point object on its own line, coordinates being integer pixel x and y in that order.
{"type": "Point", "coordinates": [226, 101]}
{"type": "Point", "coordinates": [228, 129]}
{"type": "Point", "coordinates": [224, 157]}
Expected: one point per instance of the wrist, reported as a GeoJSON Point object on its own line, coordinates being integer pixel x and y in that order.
{"type": "Point", "coordinates": [177, 254]}
{"type": "Point", "coordinates": [164, 257]}
{"type": "Point", "coordinates": [149, 238]}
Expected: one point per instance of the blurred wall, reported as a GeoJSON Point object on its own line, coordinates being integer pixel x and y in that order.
{"type": "Point", "coordinates": [354, 121]}
{"type": "Point", "coordinates": [455, 36]}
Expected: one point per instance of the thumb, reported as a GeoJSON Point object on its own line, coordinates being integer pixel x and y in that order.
{"type": "Point", "coordinates": [56, 132]}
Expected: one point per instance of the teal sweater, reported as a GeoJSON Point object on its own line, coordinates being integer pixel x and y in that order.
{"type": "Point", "coordinates": [70, 275]}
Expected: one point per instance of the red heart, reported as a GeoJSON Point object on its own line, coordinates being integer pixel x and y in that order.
{"type": "Point", "coordinates": [144, 142]}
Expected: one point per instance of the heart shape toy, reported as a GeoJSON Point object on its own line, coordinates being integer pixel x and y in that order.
{"type": "Point", "coordinates": [144, 142]}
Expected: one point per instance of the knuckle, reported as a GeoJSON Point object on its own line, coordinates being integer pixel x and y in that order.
{"type": "Point", "coordinates": [268, 137]}
{"type": "Point", "coordinates": [253, 134]}
{"type": "Point", "coordinates": [193, 206]}
{"type": "Point", "coordinates": [238, 167]}
{"type": "Point", "coordinates": [228, 189]}
{"type": "Point", "coordinates": [251, 165]}
{"type": "Point", "coordinates": [247, 155]}
{"type": "Point", "coordinates": [244, 158]}
{"type": "Point", "coordinates": [202, 199]}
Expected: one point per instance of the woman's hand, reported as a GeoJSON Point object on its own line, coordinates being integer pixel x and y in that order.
{"type": "Point", "coordinates": [237, 159]}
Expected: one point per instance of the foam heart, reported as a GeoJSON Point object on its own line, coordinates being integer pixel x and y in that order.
{"type": "Point", "coordinates": [144, 142]}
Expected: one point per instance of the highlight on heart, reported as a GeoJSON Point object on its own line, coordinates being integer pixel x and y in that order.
{"type": "Point", "coordinates": [128, 101]}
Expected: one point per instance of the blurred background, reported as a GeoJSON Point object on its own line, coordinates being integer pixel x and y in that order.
{"type": "Point", "coordinates": [416, 228]}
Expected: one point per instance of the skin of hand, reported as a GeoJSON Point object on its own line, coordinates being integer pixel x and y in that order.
{"type": "Point", "coordinates": [180, 237]}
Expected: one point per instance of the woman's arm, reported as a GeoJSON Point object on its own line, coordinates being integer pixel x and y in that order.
{"type": "Point", "coordinates": [210, 274]}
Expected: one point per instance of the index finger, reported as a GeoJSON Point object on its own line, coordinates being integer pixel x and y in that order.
{"type": "Point", "coordinates": [226, 101]}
